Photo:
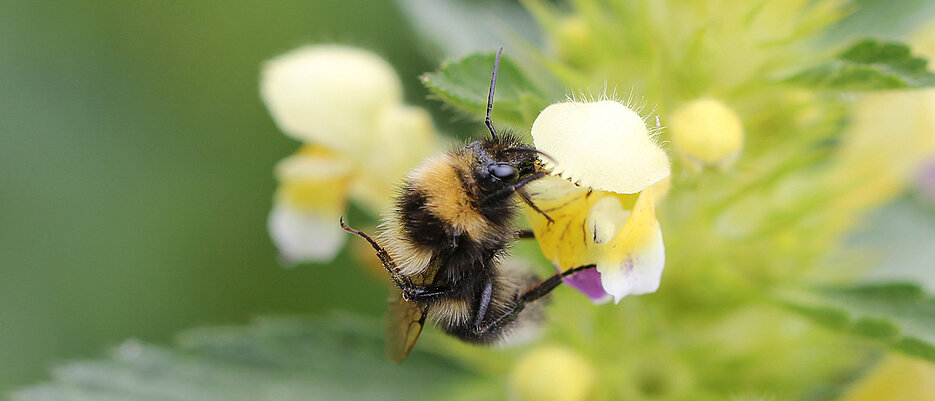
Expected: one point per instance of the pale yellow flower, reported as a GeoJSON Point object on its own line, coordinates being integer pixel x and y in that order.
{"type": "Point", "coordinates": [346, 105]}
{"type": "Point", "coordinates": [329, 94]}
{"type": "Point", "coordinates": [604, 145]}
{"type": "Point", "coordinates": [897, 378]}
{"type": "Point", "coordinates": [312, 196]}
{"type": "Point", "coordinates": [891, 137]}
{"type": "Point", "coordinates": [607, 216]}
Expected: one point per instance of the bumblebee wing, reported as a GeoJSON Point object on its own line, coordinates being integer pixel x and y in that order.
{"type": "Point", "coordinates": [404, 321]}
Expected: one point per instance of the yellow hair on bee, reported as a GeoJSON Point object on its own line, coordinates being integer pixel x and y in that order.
{"type": "Point", "coordinates": [411, 258]}
{"type": "Point", "coordinates": [442, 179]}
{"type": "Point", "coordinates": [452, 311]}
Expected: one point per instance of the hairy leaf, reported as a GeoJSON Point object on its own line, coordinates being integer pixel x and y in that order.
{"type": "Point", "coordinates": [870, 65]}
{"type": "Point", "coordinates": [900, 316]}
{"type": "Point", "coordinates": [464, 84]}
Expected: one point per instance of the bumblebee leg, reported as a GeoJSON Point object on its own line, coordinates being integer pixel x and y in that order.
{"type": "Point", "coordinates": [385, 258]}
{"type": "Point", "coordinates": [525, 234]}
{"type": "Point", "coordinates": [530, 295]}
{"type": "Point", "coordinates": [482, 306]}
{"type": "Point", "coordinates": [528, 201]}
{"type": "Point", "coordinates": [417, 293]}
{"type": "Point", "coordinates": [410, 291]}
{"type": "Point", "coordinates": [546, 286]}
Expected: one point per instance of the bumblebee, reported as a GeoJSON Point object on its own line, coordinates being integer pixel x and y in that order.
{"type": "Point", "coordinates": [443, 244]}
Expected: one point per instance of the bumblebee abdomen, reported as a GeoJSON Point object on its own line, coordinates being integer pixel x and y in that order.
{"type": "Point", "coordinates": [506, 285]}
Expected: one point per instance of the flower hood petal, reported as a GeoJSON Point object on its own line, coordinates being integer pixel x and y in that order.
{"type": "Point", "coordinates": [603, 145]}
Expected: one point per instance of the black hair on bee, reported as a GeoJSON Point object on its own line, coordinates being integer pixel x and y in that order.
{"type": "Point", "coordinates": [443, 244]}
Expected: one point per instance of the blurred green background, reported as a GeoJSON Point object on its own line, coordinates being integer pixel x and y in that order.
{"type": "Point", "coordinates": [136, 170]}
{"type": "Point", "coordinates": [136, 163]}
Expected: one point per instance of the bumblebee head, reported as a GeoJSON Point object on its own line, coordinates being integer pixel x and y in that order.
{"type": "Point", "coordinates": [504, 160]}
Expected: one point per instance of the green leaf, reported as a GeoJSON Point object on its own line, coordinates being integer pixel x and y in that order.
{"type": "Point", "coordinates": [464, 84]}
{"type": "Point", "coordinates": [899, 316]}
{"type": "Point", "coordinates": [869, 65]}
{"type": "Point", "coordinates": [339, 358]}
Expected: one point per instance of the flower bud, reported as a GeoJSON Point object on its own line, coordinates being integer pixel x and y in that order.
{"type": "Point", "coordinates": [706, 131]}
{"type": "Point", "coordinates": [552, 374]}
{"type": "Point", "coordinates": [574, 39]}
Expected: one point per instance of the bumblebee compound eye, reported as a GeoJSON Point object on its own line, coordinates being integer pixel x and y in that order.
{"type": "Point", "coordinates": [503, 172]}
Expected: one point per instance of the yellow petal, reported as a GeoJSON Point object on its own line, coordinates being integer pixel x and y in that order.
{"type": "Point", "coordinates": [312, 196]}
{"type": "Point", "coordinates": [632, 263]}
{"type": "Point", "coordinates": [313, 179]}
{"type": "Point", "coordinates": [568, 205]}
{"type": "Point", "coordinates": [603, 145]}
{"type": "Point", "coordinates": [618, 233]}
{"type": "Point", "coordinates": [329, 94]}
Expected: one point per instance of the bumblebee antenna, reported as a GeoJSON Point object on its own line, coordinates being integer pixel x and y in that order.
{"type": "Point", "coordinates": [493, 85]}
{"type": "Point", "coordinates": [530, 150]}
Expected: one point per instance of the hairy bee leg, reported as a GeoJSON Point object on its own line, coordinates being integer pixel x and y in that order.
{"type": "Point", "coordinates": [532, 294]}
{"type": "Point", "coordinates": [507, 191]}
{"type": "Point", "coordinates": [410, 291]}
{"type": "Point", "coordinates": [529, 202]}
{"type": "Point", "coordinates": [416, 293]}
{"type": "Point", "coordinates": [546, 286]}
{"type": "Point", "coordinates": [525, 234]}
{"type": "Point", "coordinates": [385, 258]}
{"type": "Point", "coordinates": [483, 305]}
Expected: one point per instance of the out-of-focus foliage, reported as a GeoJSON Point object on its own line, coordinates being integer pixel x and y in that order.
{"type": "Point", "coordinates": [899, 316]}
{"type": "Point", "coordinates": [275, 359]}
{"type": "Point", "coordinates": [135, 174]}
{"type": "Point", "coordinates": [757, 263]}
{"type": "Point", "coordinates": [870, 65]}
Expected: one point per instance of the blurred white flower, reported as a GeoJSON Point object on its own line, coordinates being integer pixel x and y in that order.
{"type": "Point", "coordinates": [329, 95]}
{"type": "Point", "coordinates": [345, 104]}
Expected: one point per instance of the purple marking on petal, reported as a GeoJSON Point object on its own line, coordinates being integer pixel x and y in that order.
{"type": "Point", "coordinates": [589, 283]}
{"type": "Point", "coordinates": [927, 181]}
